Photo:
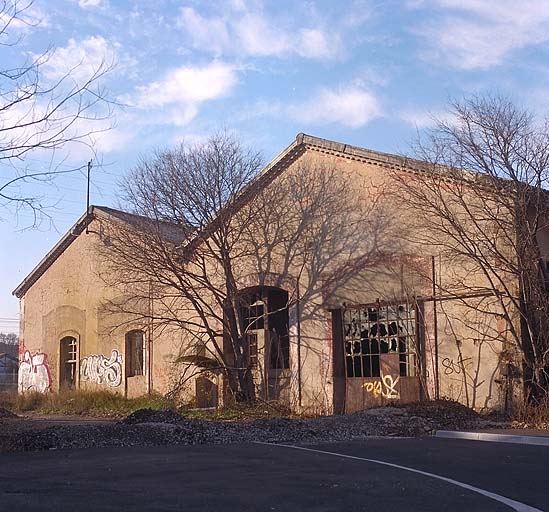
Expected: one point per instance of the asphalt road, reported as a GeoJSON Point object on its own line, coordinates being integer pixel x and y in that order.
{"type": "Point", "coordinates": [257, 477]}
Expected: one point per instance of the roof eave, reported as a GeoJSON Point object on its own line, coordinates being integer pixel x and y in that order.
{"type": "Point", "coordinates": [54, 253]}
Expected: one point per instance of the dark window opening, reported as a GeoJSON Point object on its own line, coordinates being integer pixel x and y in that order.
{"type": "Point", "coordinates": [279, 339]}
{"type": "Point", "coordinates": [373, 331]}
{"type": "Point", "coordinates": [68, 362]}
{"type": "Point", "coordinates": [265, 311]}
{"type": "Point", "coordinates": [135, 344]}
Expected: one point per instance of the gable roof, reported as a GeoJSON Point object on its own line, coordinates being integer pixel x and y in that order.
{"type": "Point", "coordinates": [69, 237]}
{"type": "Point", "coordinates": [273, 169]}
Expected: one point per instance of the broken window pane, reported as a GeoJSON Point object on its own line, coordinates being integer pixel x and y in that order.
{"type": "Point", "coordinates": [376, 330]}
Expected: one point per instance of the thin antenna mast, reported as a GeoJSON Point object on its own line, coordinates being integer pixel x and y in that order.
{"type": "Point", "coordinates": [88, 194]}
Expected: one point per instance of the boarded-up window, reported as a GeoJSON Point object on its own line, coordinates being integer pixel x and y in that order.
{"type": "Point", "coordinates": [135, 345]}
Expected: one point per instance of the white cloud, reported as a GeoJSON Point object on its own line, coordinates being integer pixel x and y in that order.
{"type": "Point", "coordinates": [314, 44]}
{"type": "Point", "coordinates": [479, 34]}
{"type": "Point", "coordinates": [259, 36]}
{"type": "Point", "coordinates": [351, 106]}
{"type": "Point", "coordinates": [185, 88]}
{"type": "Point", "coordinates": [81, 59]}
{"type": "Point", "coordinates": [190, 84]}
{"type": "Point", "coordinates": [253, 33]}
{"type": "Point", "coordinates": [208, 33]}
{"type": "Point", "coordinates": [89, 3]}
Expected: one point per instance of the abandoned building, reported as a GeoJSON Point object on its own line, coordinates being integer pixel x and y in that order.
{"type": "Point", "coordinates": [378, 337]}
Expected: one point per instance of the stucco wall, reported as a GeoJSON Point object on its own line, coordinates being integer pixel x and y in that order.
{"type": "Point", "coordinates": [469, 344]}
{"type": "Point", "coordinates": [68, 300]}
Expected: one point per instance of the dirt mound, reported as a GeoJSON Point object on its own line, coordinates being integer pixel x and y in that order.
{"type": "Point", "coordinates": [4, 413]}
{"type": "Point", "coordinates": [444, 413]}
{"type": "Point", "coordinates": [152, 416]}
{"type": "Point", "coordinates": [148, 427]}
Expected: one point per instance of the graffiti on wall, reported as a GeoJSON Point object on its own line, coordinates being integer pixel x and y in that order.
{"type": "Point", "coordinates": [386, 387]}
{"type": "Point", "coordinates": [451, 366]}
{"type": "Point", "coordinates": [102, 370]}
{"type": "Point", "coordinates": [34, 372]}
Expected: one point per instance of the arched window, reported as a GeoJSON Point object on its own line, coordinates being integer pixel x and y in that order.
{"type": "Point", "coordinates": [68, 359]}
{"type": "Point", "coordinates": [135, 346]}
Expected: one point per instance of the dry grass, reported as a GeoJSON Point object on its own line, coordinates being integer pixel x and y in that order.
{"type": "Point", "coordinates": [104, 404]}
{"type": "Point", "coordinates": [101, 404]}
{"type": "Point", "coordinates": [239, 412]}
{"type": "Point", "coordinates": [529, 415]}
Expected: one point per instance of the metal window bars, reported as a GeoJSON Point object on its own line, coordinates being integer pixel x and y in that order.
{"type": "Point", "coordinates": [374, 330]}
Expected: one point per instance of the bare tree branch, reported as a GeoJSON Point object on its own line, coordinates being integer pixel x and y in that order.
{"type": "Point", "coordinates": [482, 202]}
{"type": "Point", "coordinates": [42, 116]}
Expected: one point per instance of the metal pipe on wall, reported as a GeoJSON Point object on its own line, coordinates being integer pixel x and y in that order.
{"type": "Point", "coordinates": [298, 322]}
{"type": "Point", "coordinates": [435, 327]}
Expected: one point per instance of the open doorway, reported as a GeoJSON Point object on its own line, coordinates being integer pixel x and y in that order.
{"type": "Point", "coordinates": [68, 362]}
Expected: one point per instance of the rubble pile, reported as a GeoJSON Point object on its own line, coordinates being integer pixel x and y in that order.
{"type": "Point", "coordinates": [146, 427]}
{"type": "Point", "coordinates": [537, 424]}
{"type": "Point", "coordinates": [152, 416]}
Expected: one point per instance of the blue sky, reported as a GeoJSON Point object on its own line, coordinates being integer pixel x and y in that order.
{"type": "Point", "coordinates": [367, 73]}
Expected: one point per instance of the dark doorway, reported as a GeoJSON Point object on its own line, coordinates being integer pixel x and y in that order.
{"type": "Point", "coordinates": [68, 358]}
{"type": "Point", "coordinates": [135, 345]}
{"type": "Point", "coordinates": [264, 315]}
{"type": "Point", "coordinates": [206, 392]}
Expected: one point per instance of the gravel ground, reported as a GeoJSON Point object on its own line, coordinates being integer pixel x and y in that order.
{"type": "Point", "coordinates": [4, 413]}
{"type": "Point", "coordinates": [152, 428]}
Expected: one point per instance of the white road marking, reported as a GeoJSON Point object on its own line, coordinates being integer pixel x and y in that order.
{"type": "Point", "coordinates": [515, 505]}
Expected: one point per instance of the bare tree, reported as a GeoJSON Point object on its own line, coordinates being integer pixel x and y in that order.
{"type": "Point", "coordinates": [9, 338]}
{"type": "Point", "coordinates": [40, 116]}
{"type": "Point", "coordinates": [481, 202]}
{"type": "Point", "coordinates": [204, 224]}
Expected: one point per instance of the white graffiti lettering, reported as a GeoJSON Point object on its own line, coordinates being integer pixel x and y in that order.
{"type": "Point", "coordinates": [386, 387]}
{"type": "Point", "coordinates": [34, 373]}
{"type": "Point", "coordinates": [99, 369]}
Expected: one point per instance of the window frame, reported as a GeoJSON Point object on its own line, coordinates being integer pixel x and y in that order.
{"type": "Point", "coordinates": [392, 328]}
{"type": "Point", "coordinates": [132, 353]}
{"type": "Point", "coordinates": [69, 366]}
